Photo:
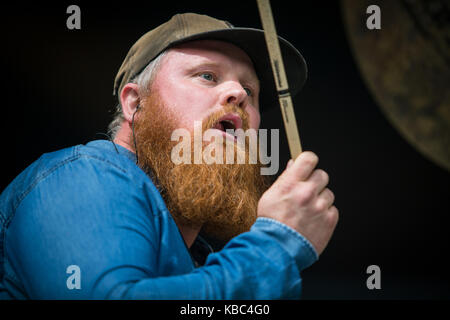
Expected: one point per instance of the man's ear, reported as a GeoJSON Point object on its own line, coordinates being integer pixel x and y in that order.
{"type": "Point", "coordinates": [129, 99]}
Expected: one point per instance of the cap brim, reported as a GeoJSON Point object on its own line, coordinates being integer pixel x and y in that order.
{"type": "Point", "coordinates": [252, 41]}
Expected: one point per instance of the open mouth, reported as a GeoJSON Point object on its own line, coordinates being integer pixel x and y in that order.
{"type": "Point", "coordinates": [230, 122]}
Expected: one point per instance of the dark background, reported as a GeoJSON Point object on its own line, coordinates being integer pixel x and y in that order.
{"type": "Point", "coordinates": [393, 202]}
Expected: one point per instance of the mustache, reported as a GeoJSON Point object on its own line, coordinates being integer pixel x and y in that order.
{"type": "Point", "coordinates": [227, 109]}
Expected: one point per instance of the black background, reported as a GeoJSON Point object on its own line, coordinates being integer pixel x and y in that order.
{"type": "Point", "coordinates": [392, 200]}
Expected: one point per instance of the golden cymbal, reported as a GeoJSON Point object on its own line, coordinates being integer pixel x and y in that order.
{"type": "Point", "coordinates": [406, 66]}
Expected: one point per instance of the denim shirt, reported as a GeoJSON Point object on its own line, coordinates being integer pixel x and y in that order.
{"type": "Point", "coordinates": [86, 222]}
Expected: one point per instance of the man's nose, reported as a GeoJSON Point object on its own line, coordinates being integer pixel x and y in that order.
{"type": "Point", "coordinates": [234, 93]}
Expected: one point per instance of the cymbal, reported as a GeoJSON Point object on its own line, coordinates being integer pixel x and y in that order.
{"type": "Point", "coordinates": [406, 66]}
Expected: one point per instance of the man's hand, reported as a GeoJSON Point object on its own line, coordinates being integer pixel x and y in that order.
{"type": "Point", "coordinates": [299, 198]}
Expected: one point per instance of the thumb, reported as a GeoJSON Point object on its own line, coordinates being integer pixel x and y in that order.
{"type": "Point", "coordinates": [289, 164]}
{"type": "Point", "coordinates": [285, 172]}
{"type": "Point", "coordinates": [302, 167]}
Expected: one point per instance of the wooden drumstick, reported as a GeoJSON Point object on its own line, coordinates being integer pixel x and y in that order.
{"type": "Point", "coordinates": [279, 74]}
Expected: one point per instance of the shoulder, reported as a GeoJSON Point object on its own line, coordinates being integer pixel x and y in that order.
{"type": "Point", "coordinates": [87, 173]}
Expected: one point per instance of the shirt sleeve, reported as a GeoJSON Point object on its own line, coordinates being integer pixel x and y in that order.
{"type": "Point", "coordinates": [93, 220]}
{"type": "Point", "coordinates": [264, 263]}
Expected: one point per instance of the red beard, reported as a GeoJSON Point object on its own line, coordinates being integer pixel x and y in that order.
{"type": "Point", "coordinates": [221, 198]}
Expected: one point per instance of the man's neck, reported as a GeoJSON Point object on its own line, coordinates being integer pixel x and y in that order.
{"type": "Point", "coordinates": [189, 234]}
{"type": "Point", "coordinates": [123, 135]}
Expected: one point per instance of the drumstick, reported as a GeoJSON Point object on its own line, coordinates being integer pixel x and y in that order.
{"type": "Point", "coordinates": [279, 74]}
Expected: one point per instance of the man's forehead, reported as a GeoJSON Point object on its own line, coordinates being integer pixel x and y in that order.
{"type": "Point", "coordinates": [208, 51]}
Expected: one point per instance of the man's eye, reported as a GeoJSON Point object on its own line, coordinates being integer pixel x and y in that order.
{"type": "Point", "coordinates": [249, 92]}
{"type": "Point", "coordinates": [207, 76]}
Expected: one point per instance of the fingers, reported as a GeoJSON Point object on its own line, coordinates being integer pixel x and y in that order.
{"type": "Point", "coordinates": [300, 199]}
{"type": "Point", "coordinates": [325, 200]}
{"type": "Point", "coordinates": [333, 216]}
{"type": "Point", "coordinates": [319, 179]}
{"type": "Point", "coordinates": [303, 166]}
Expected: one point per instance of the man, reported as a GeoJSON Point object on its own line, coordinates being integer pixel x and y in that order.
{"type": "Point", "coordinates": [120, 220]}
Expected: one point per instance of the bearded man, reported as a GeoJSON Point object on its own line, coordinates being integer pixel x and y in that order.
{"type": "Point", "coordinates": [120, 219]}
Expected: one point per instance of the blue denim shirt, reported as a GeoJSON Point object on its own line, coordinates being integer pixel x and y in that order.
{"type": "Point", "coordinates": [92, 207]}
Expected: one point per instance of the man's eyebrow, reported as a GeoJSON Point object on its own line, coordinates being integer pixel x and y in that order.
{"type": "Point", "coordinates": [203, 64]}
